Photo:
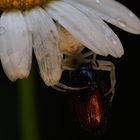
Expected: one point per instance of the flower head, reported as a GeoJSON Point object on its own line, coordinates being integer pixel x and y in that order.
{"type": "Point", "coordinates": [41, 24]}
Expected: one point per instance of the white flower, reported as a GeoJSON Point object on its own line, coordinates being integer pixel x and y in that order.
{"type": "Point", "coordinates": [33, 23]}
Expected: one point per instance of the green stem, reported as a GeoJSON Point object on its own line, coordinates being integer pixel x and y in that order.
{"type": "Point", "coordinates": [28, 114]}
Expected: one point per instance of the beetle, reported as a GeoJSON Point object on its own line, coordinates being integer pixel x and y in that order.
{"type": "Point", "coordinates": [87, 105]}
{"type": "Point", "coordinates": [90, 97]}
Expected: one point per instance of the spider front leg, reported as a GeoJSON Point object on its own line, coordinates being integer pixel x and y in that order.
{"type": "Point", "coordinates": [106, 66]}
{"type": "Point", "coordinates": [103, 65]}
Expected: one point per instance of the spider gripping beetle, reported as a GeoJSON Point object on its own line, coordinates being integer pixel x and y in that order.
{"type": "Point", "coordinates": [91, 83]}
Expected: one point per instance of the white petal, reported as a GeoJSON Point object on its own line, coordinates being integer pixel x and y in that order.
{"type": "Point", "coordinates": [80, 26]}
{"type": "Point", "coordinates": [45, 43]}
{"type": "Point", "coordinates": [115, 13]}
{"type": "Point", "coordinates": [74, 21]}
{"type": "Point", "coordinates": [15, 45]}
{"type": "Point", "coordinates": [114, 44]}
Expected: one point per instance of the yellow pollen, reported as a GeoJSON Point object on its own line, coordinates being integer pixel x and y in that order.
{"type": "Point", "coordinates": [20, 4]}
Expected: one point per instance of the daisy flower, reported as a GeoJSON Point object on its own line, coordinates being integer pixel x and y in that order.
{"type": "Point", "coordinates": [40, 24]}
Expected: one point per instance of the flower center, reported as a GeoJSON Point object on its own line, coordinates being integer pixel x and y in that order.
{"type": "Point", "coordinates": [20, 4]}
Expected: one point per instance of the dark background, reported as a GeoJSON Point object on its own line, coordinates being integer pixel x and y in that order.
{"type": "Point", "coordinates": [55, 118]}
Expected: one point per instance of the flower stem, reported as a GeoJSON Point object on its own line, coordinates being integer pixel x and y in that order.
{"type": "Point", "coordinates": [27, 109]}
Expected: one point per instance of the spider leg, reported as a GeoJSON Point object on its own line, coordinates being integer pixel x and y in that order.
{"type": "Point", "coordinates": [107, 66]}
{"type": "Point", "coordinates": [87, 54]}
{"type": "Point", "coordinates": [64, 88]}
